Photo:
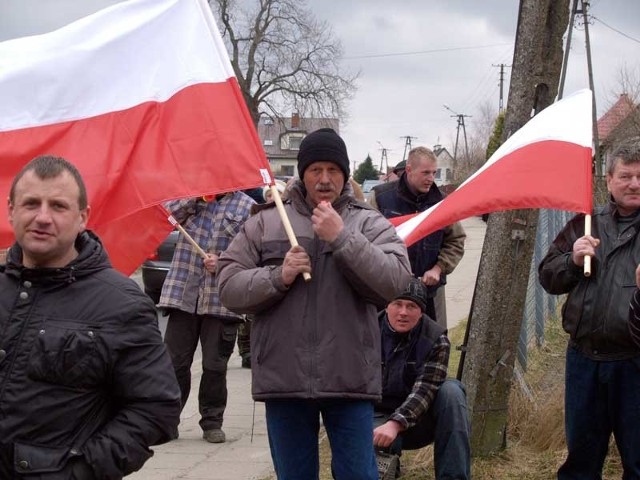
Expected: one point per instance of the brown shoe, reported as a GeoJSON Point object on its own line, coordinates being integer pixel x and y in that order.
{"type": "Point", "coordinates": [214, 435]}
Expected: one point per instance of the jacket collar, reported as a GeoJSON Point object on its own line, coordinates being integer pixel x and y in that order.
{"type": "Point", "coordinates": [91, 258]}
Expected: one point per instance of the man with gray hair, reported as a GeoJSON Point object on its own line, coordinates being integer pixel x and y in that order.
{"type": "Point", "coordinates": [603, 363]}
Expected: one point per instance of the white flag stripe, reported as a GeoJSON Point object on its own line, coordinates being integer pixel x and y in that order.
{"type": "Point", "coordinates": [93, 78]}
{"type": "Point", "coordinates": [568, 120]}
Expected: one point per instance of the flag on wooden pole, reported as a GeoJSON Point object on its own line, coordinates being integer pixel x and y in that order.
{"type": "Point", "coordinates": [142, 98]}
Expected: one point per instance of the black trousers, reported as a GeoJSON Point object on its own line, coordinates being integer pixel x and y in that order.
{"type": "Point", "coordinates": [217, 337]}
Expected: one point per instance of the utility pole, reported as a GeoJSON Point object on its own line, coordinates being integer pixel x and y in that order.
{"type": "Point", "coordinates": [460, 117]}
{"type": "Point", "coordinates": [567, 48]}
{"type": "Point", "coordinates": [383, 159]}
{"type": "Point", "coordinates": [501, 84]}
{"type": "Point", "coordinates": [594, 116]}
{"type": "Point", "coordinates": [497, 308]}
{"type": "Point", "coordinates": [407, 145]}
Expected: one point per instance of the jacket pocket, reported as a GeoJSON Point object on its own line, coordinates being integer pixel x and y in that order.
{"type": "Point", "coordinates": [36, 462]}
{"type": "Point", "coordinates": [66, 354]}
{"type": "Point", "coordinates": [273, 252]}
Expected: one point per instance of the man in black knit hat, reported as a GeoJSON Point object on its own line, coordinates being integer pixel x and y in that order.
{"type": "Point", "coordinates": [316, 345]}
{"type": "Point", "coordinates": [420, 405]}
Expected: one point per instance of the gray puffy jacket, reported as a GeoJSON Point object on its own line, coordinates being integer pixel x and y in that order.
{"type": "Point", "coordinates": [318, 339]}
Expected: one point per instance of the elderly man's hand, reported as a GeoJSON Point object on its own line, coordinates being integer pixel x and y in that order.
{"type": "Point", "coordinates": [296, 261]}
{"type": "Point", "coordinates": [582, 247]}
{"type": "Point", "coordinates": [638, 276]}
{"type": "Point", "coordinates": [326, 222]}
{"type": "Point", "coordinates": [385, 434]}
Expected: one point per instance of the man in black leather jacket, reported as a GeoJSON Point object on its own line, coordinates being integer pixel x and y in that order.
{"type": "Point", "coordinates": [86, 385]}
{"type": "Point", "coordinates": [603, 363]}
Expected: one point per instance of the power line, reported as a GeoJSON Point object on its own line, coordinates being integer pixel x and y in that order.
{"type": "Point", "coordinates": [615, 29]}
{"type": "Point", "coordinates": [421, 52]}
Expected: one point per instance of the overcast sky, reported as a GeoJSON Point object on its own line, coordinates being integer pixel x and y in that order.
{"type": "Point", "coordinates": [416, 56]}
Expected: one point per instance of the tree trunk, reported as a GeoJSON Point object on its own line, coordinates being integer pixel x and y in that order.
{"type": "Point", "coordinates": [499, 298]}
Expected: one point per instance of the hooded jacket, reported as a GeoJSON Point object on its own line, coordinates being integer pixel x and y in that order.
{"type": "Point", "coordinates": [318, 339]}
{"type": "Point", "coordinates": [85, 382]}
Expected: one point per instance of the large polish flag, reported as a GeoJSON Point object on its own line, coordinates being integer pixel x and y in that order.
{"type": "Point", "coordinates": [545, 164]}
{"type": "Point", "coordinates": [142, 98]}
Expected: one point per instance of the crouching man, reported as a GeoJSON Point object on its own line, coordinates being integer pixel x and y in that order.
{"type": "Point", "coordinates": [419, 404]}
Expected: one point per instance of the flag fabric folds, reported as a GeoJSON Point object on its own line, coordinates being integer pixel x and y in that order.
{"type": "Point", "coordinates": [545, 164]}
{"type": "Point", "coordinates": [142, 98]}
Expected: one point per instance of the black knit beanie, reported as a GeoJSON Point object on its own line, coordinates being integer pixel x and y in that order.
{"type": "Point", "coordinates": [416, 292]}
{"type": "Point", "coordinates": [323, 145]}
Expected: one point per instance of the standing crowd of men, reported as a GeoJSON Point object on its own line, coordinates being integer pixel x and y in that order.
{"type": "Point", "coordinates": [344, 326]}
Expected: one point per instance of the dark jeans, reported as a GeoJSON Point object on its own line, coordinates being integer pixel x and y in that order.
{"type": "Point", "coordinates": [601, 398]}
{"type": "Point", "coordinates": [293, 427]}
{"type": "Point", "coordinates": [217, 337]}
{"type": "Point", "coordinates": [446, 425]}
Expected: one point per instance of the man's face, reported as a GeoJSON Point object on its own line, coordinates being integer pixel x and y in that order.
{"type": "Point", "coordinates": [624, 186]}
{"type": "Point", "coordinates": [403, 314]}
{"type": "Point", "coordinates": [46, 219]}
{"type": "Point", "coordinates": [421, 175]}
{"type": "Point", "coordinates": [324, 181]}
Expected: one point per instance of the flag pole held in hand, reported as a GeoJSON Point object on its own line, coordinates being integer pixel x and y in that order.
{"type": "Point", "coordinates": [287, 224]}
{"type": "Point", "coordinates": [587, 258]}
{"type": "Point", "coordinates": [189, 238]}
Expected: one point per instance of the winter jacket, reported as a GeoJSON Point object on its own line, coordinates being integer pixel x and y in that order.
{"type": "Point", "coordinates": [318, 339]}
{"type": "Point", "coordinates": [444, 247]}
{"type": "Point", "coordinates": [86, 385]}
{"type": "Point", "coordinates": [414, 366]}
{"type": "Point", "coordinates": [596, 311]}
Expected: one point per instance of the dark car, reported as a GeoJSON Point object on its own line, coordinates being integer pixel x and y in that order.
{"type": "Point", "coordinates": [155, 268]}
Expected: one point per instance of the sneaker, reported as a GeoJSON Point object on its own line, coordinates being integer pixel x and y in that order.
{"type": "Point", "coordinates": [246, 360]}
{"type": "Point", "coordinates": [388, 466]}
{"type": "Point", "coordinates": [214, 435]}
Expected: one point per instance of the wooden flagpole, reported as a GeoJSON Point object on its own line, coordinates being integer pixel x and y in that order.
{"type": "Point", "coordinates": [287, 224]}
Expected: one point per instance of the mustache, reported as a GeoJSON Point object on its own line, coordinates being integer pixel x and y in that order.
{"type": "Point", "coordinates": [324, 187]}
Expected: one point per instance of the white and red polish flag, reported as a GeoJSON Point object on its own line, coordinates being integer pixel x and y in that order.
{"type": "Point", "coordinates": [142, 98]}
{"type": "Point", "coordinates": [545, 164]}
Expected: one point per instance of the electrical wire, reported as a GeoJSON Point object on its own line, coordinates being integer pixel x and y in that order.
{"type": "Point", "coordinates": [421, 52]}
{"type": "Point", "coordinates": [615, 29]}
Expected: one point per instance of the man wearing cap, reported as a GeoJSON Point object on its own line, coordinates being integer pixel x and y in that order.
{"type": "Point", "coordinates": [419, 404]}
{"type": "Point", "coordinates": [438, 254]}
{"type": "Point", "coordinates": [316, 345]}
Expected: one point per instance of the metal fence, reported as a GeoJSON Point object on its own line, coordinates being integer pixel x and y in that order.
{"type": "Point", "coordinates": [539, 305]}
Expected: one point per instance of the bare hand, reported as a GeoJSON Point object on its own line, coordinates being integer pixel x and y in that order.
{"type": "Point", "coordinates": [638, 276]}
{"type": "Point", "coordinates": [210, 262]}
{"type": "Point", "coordinates": [582, 247]}
{"type": "Point", "coordinates": [296, 261]}
{"type": "Point", "coordinates": [326, 222]}
{"type": "Point", "coordinates": [432, 277]}
{"type": "Point", "coordinates": [385, 434]}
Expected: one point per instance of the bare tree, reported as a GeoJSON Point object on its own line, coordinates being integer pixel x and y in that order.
{"type": "Point", "coordinates": [628, 82]}
{"type": "Point", "coordinates": [284, 59]}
